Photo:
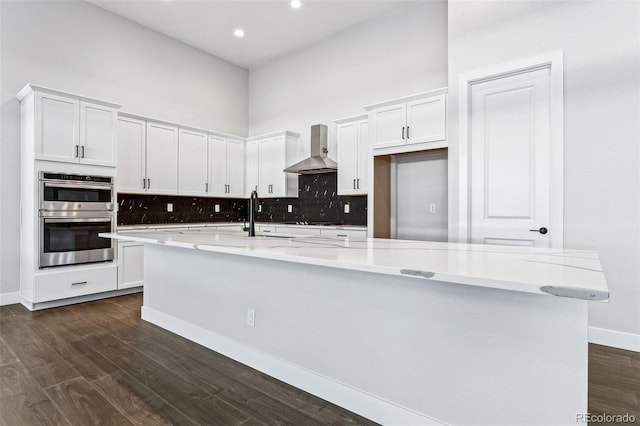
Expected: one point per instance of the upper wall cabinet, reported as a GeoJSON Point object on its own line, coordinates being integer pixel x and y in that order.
{"type": "Point", "coordinates": [192, 163]}
{"type": "Point", "coordinates": [147, 156]}
{"type": "Point", "coordinates": [353, 155]}
{"type": "Point", "coordinates": [267, 157]}
{"type": "Point", "coordinates": [417, 120]}
{"type": "Point", "coordinates": [226, 166]}
{"type": "Point", "coordinates": [70, 128]}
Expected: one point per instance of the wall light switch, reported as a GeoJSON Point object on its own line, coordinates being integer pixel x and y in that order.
{"type": "Point", "coordinates": [347, 208]}
{"type": "Point", "coordinates": [259, 208]}
{"type": "Point", "coordinates": [170, 207]}
{"type": "Point", "coordinates": [289, 208]}
{"type": "Point", "coordinates": [432, 208]}
{"type": "Point", "coordinates": [216, 208]}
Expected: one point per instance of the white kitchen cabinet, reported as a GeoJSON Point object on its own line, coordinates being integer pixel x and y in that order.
{"type": "Point", "coordinates": [132, 155]}
{"type": "Point", "coordinates": [251, 166]}
{"type": "Point", "coordinates": [416, 119]}
{"type": "Point", "coordinates": [70, 128]}
{"type": "Point", "coordinates": [147, 156]}
{"type": "Point", "coordinates": [192, 163]}
{"type": "Point", "coordinates": [226, 166]}
{"type": "Point", "coordinates": [130, 264]}
{"type": "Point", "coordinates": [353, 155]}
{"type": "Point", "coordinates": [274, 153]}
{"type": "Point", "coordinates": [162, 159]}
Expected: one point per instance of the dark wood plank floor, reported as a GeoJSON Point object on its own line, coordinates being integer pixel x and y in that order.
{"type": "Point", "coordinates": [98, 363]}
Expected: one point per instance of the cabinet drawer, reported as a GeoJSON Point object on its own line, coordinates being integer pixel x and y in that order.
{"type": "Point", "coordinates": [71, 283]}
{"type": "Point", "coordinates": [296, 230]}
{"type": "Point", "coordinates": [344, 233]}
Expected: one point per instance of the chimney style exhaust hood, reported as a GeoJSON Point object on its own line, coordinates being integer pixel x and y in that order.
{"type": "Point", "coordinates": [318, 162]}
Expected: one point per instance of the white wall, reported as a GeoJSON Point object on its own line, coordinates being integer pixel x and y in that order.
{"type": "Point", "coordinates": [601, 109]}
{"type": "Point", "coordinates": [398, 54]}
{"type": "Point", "coordinates": [77, 47]}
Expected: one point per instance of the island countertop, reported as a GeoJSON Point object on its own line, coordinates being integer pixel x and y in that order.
{"type": "Point", "coordinates": [558, 272]}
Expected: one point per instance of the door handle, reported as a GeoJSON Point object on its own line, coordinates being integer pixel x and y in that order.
{"type": "Point", "coordinates": [358, 183]}
{"type": "Point", "coordinates": [402, 132]}
{"type": "Point", "coordinates": [206, 187]}
{"type": "Point", "coordinates": [76, 151]}
{"type": "Point", "coordinates": [542, 230]}
{"type": "Point", "coordinates": [354, 184]}
{"type": "Point", "coordinates": [144, 183]}
{"type": "Point", "coordinates": [79, 283]}
{"type": "Point", "coordinates": [82, 151]}
{"type": "Point", "coordinates": [407, 132]}
{"type": "Point", "coordinates": [148, 183]}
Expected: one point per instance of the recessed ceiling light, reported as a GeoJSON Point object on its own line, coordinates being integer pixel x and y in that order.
{"type": "Point", "coordinates": [238, 33]}
{"type": "Point", "coordinates": [295, 4]}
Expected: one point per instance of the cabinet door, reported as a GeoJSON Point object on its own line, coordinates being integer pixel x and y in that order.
{"type": "Point", "coordinates": [192, 163]}
{"type": "Point", "coordinates": [347, 157]}
{"type": "Point", "coordinates": [162, 158]}
{"type": "Point", "coordinates": [277, 165]}
{"type": "Point", "coordinates": [57, 128]}
{"type": "Point", "coordinates": [97, 134]}
{"type": "Point", "coordinates": [265, 167]}
{"type": "Point", "coordinates": [217, 166]}
{"type": "Point", "coordinates": [235, 167]}
{"type": "Point", "coordinates": [130, 265]}
{"type": "Point", "coordinates": [389, 126]}
{"type": "Point", "coordinates": [131, 136]}
{"type": "Point", "coordinates": [251, 167]}
{"type": "Point", "coordinates": [364, 157]}
{"type": "Point", "coordinates": [426, 120]}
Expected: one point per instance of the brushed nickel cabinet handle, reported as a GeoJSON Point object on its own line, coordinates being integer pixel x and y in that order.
{"type": "Point", "coordinates": [82, 151]}
{"type": "Point", "coordinates": [79, 283]}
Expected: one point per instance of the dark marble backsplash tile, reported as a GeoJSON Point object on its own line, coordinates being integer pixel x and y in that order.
{"type": "Point", "coordinates": [136, 209]}
{"type": "Point", "coordinates": [318, 202]}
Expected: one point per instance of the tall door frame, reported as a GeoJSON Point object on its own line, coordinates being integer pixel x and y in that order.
{"type": "Point", "coordinates": [553, 61]}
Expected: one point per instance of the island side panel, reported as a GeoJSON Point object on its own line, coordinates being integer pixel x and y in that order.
{"type": "Point", "coordinates": [455, 353]}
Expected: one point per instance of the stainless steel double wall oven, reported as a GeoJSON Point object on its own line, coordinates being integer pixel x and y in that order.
{"type": "Point", "coordinates": [74, 209]}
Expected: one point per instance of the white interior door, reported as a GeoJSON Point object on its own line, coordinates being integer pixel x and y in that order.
{"type": "Point", "coordinates": [510, 160]}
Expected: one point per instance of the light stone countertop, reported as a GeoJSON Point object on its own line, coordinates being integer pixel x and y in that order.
{"type": "Point", "coordinates": [560, 272]}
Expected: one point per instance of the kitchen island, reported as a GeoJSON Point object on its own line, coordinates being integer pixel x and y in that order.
{"type": "Point", "coordinates": [401, 332]}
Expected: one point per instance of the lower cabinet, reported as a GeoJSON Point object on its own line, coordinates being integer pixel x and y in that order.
{"type": "Point", "coordinates": [130, 264]}
{"type": "Point", "coordinates": [80, 281]}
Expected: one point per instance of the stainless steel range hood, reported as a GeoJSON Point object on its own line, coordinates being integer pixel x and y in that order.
{"type": "Point", "coordinates": [318, 162]}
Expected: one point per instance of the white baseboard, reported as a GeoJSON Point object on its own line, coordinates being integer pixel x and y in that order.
{"type": "Point", "coordinates": [9, 298]}
{"type": "Point", "coordinates": [616, 339]}
{"type": "Point", "coordinates": [355, 400]}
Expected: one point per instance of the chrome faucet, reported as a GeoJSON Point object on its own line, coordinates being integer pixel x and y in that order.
{"type": "Point", "coordinates": [253, 201]}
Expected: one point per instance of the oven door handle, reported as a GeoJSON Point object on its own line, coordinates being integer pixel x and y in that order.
{"type": "Point", "coordinates": [77, 185]}
{"type": "Point", "coordinates": [77, 219]}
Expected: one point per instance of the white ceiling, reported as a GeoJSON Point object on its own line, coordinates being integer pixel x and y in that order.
{"type": "Point", "coordinates": [272, 27]}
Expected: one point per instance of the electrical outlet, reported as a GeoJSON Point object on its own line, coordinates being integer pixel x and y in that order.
{"type": "Point", "coordinates": [170, 207]}
{"type": "Point", "coordinates": [432, 208]}
{"type": "Point", "coordinates": [289, 208]}
{"type": "Point", "coordinates": [216, 208]}
{"type": "Point", "coordinates": [347, 208]}
{"type": "Point", "coordinates": [251, 317]}
{"type": "Point", "coordinates": [259, 208]}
